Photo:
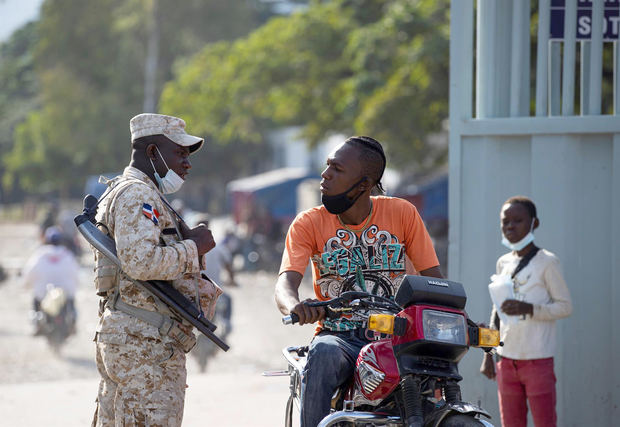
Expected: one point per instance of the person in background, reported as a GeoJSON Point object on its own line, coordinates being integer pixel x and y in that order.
{"type": "Point", "coordinates": [50, 218]}
{"type": "Point", "coordinates": [344, 239]}
{"type": "Point", "coordinates": [52, 263]}
{"type": "Point", "coordinates": [524, 371]}
{"type": "Point", "coordinates": [217, 259]}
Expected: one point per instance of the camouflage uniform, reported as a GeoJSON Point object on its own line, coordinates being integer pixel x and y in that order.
{"type": "Point", "coordinates": [142, 370]}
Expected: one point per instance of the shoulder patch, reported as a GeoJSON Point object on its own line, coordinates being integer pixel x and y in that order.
{"type": "Point", "coordinates": [151, 213]}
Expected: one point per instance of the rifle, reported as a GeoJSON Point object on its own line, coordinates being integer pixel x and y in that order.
{"type": "Point", "coordinates": [175, 300]}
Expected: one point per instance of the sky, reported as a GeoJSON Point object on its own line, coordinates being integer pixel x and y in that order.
{"type": "Point", "coordinates": [15, 13]}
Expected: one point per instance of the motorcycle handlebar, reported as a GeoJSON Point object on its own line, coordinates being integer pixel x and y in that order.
{"type": "Point", "coordinates": [290, 319]}
{"type": "Point", "coordinates": [345, 299]}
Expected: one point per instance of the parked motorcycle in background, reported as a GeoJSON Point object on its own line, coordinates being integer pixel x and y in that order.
{"type": "Point", "coordinates": [408, 376]}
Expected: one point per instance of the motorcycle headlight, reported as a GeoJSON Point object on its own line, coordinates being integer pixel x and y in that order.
{"type": "Point", "coordinates": [444, 327]}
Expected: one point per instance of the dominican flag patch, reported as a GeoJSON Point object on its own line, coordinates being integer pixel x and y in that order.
{"type": "Point", "coordinates": [151, 213]}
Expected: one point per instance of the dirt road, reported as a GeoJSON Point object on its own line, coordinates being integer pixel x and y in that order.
{"type": "Point", "coordinates": [39, 388]}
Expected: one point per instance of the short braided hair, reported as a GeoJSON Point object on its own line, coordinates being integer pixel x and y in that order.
{"type": "Point", "coordinates": [372, 157]}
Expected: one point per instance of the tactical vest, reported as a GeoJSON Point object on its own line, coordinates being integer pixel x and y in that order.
{"type": "Point", "coordinates": [108, 278]}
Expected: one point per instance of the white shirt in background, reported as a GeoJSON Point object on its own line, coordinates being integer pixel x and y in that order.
{"type": "Point", "coordinates": [541, 284]}
{"type": "Point", "coordinates": [51, 264]}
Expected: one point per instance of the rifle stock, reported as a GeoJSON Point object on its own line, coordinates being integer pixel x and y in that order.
{"type": "Point", "coordinates": [175, 300]}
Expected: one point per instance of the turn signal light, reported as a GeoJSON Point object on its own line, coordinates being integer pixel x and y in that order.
{"type": "Point", "coordinates": [383, 323]}
{"type": "Point", "coordinates": [488, 337]}
{"type": "Point", "coordinates": [387, 324]}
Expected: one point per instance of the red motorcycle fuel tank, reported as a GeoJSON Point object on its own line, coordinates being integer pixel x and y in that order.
{"type": "Point", "coordinates": [376, 372]}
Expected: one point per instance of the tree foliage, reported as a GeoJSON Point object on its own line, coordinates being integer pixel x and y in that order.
{"type": "Point", "coordinates": [88, 60]}
{"type": "Point", "coordinates": [18, 85]}
{"type": "Point", "coordinates": [377, 67]}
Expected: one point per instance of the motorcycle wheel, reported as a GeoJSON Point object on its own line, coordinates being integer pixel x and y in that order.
{"type": "Point", "coordinates": [291, 413]}
{"type": "Point", "coordinates": [461, 420]}
{"type": "Point", "coordinates": [55, 341]}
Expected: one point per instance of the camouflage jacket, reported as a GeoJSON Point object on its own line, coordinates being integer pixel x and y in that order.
{"type": "Point", "coordinates": [136, 220]}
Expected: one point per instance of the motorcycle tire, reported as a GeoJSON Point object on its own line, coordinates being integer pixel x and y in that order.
{"type": "Point", "coordinates": [461, 420]}
{"type": "Point", "coordinates": [292, 417]}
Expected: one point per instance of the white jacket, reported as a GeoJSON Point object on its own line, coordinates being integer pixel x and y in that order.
{"type": "Point", "coordinates": [52, 264]}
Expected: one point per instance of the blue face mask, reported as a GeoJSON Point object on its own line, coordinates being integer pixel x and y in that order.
{"type": "Point", "coordinates": [529, 238]}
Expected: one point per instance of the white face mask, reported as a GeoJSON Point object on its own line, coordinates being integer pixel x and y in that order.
{"type": "Point", "coordinates": [171, 182]}
{"type": "Point", "coordinates": [529, 238]}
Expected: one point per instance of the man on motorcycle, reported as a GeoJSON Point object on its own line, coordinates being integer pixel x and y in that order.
{"type": "Point", "coordinates": [52, 264]}
{"type": "Point", "coordinates": [356, 242]}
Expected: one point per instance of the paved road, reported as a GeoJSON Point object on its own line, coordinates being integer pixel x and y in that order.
{"type": "Point", "coordinates": [39, 388]}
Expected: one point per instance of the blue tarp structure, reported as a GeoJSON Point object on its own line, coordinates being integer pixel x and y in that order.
{"type": "Point", "coordinates": [274, 191]}
{"type": "Point", "coordinates": [435, 195]}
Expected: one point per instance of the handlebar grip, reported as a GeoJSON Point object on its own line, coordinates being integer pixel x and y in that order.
{"type": "Point", "coordinates": [290, 319]}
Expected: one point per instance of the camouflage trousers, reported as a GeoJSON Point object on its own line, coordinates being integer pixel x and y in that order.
{"type": "Point", "coordinates": [142, 382]}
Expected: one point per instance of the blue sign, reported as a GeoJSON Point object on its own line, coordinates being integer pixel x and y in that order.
{"type": "Point", "coordinates": [611, 20]}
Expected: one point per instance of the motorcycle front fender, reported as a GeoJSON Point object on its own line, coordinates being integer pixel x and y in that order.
{"type": "Point", "coordinates": [439, 415]}
{"type": "Point", "coordinates": [359, 416]}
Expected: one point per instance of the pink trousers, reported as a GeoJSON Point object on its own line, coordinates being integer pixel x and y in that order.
{"type": "Point", "coordinates": [520, 382]}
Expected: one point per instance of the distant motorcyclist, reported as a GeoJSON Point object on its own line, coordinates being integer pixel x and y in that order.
{"type": "Point", "coordinates": [54, 264]}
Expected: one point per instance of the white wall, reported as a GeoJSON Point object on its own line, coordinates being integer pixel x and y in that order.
{"type": "Point", "coordinates": [570, 166]}
{"type": "Point", "coordinates": [571, 178]}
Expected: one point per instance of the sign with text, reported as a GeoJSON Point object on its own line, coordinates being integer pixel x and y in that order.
{"type": "Point", "coordinates": [611, 19]}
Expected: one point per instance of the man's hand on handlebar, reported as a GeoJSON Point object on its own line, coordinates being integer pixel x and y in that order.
{"type": "Point", "coordinates": [306, 313]}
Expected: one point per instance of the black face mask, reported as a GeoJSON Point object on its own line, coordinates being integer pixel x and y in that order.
{"type": "Point", "coordinates": [340, 203]}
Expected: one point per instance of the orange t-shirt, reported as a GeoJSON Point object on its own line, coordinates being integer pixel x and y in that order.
{"type": "Point", "coordinates": [394, 234]}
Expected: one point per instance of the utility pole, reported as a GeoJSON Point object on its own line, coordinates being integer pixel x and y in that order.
{"type": "Point", "coordinates": [152, 59]}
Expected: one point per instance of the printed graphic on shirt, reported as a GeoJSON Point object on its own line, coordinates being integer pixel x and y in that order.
{"type": "Point", "coordinates": [372, 262]}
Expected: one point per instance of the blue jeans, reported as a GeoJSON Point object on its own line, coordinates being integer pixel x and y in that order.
{"type": "Point", "coordinates": [330, 364]}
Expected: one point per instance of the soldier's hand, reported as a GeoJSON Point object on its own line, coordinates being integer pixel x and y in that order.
{"type": "Point", "coordinates": [308, 314]}
{"type": "Point", "coordinates": [203, 238]}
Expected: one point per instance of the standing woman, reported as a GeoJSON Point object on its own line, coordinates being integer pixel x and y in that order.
{"type": "Point", "coordinates": [524, 371]}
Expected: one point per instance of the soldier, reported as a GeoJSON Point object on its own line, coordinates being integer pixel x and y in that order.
{"type": "Point", "coordinates": [141, 345]}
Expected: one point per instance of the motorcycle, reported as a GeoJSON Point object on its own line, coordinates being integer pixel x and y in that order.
{"type": "Point", "coordinates": [408, 376]}
{"type": "Point", "coordinates": [56, 318]}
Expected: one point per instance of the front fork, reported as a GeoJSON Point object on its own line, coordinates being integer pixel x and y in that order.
{"type": "Point", "coordinates": [412, 398]}
{"type": "Point", "coordinates": [412, 401]}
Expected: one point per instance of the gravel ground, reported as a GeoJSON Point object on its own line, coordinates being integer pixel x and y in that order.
{"type": "Point", "coordinates": [231, 392]}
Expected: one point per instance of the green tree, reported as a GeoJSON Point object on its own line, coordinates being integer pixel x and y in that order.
{"type": "Point", "coordinates": [18, 86]}
{"type": "Point", "coordinates": [89, 60]}
{"type": "Point", "coordinates": [378, 67]}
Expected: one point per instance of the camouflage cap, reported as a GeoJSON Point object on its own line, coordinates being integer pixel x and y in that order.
{"type": "Point", "coordinates": [173, 128]}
